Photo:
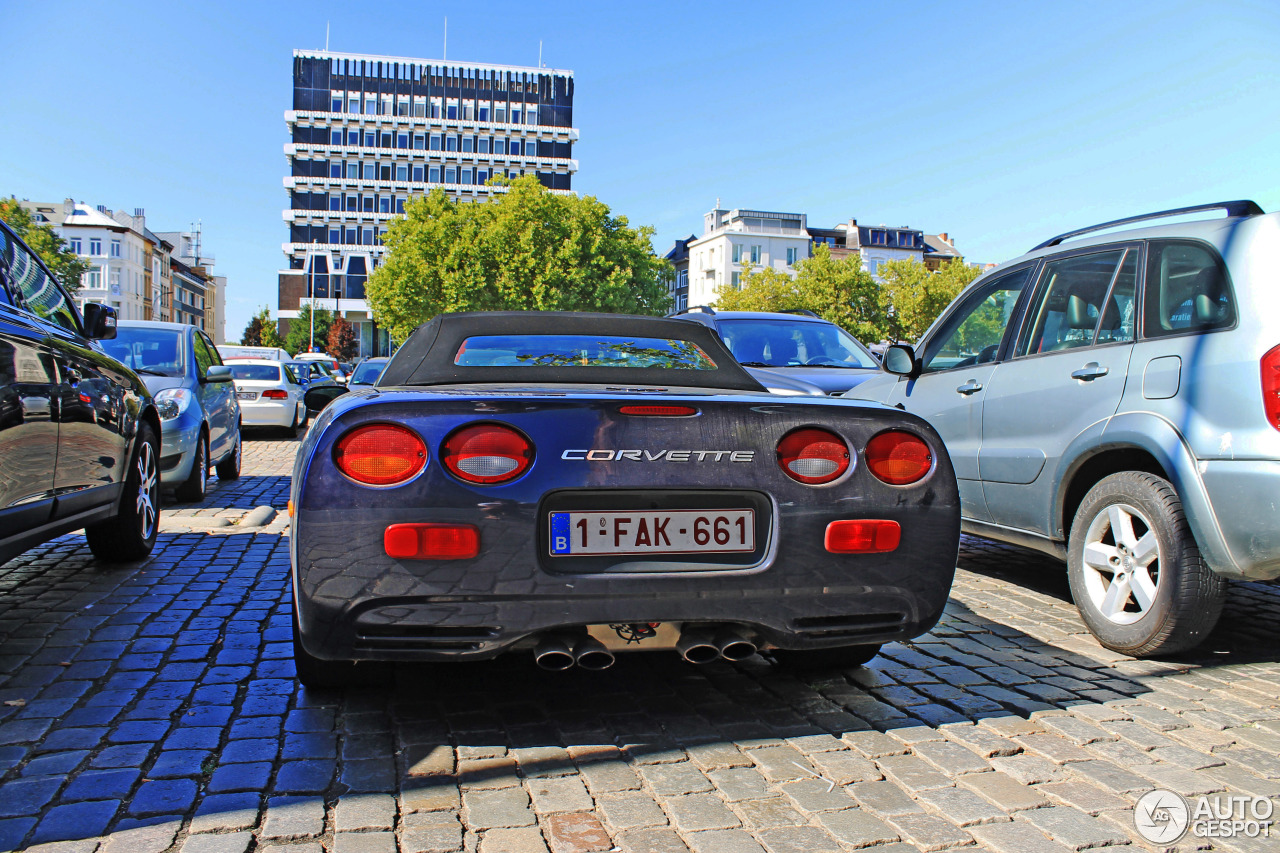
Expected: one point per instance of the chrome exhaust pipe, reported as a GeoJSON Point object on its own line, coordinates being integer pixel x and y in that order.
{"type": "Point", "coordinates": [590, 653]}
{"type": "Point", "coordinates": [554, 653]}
{"type": "Point", "coordinates": [697, 647]}
{"type": "Point", "coordinates": [734, 646]}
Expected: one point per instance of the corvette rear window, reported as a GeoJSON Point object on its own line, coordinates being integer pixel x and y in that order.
{"type": "Point", "coordinates": [580, 351]}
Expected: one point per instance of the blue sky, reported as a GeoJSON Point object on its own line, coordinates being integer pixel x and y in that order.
{"type": "Point", "coordinates": [1001, 124]}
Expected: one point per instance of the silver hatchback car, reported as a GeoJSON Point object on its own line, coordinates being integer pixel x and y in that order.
{"type": "Point", "coordinates": [1114, 400]}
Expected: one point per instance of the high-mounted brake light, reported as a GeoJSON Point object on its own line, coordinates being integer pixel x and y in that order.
{"type": "Point", "coordinates": [487, 454]}
{"type": "Point", "coordinates": [432, 541]}
{"type": "Point", "coordinates": [380, 454]}
{"type": "Point", "coordinates": [659, 411]}
{"type": "Point", "coordinates": [275, 394]}
{"type": "Point", "coordinates": [898, 458]}
{"type": "Point", "coordinates": [1271, 385]}
{"type": "Point", "coordinates": [813, 456]}
{"type": "Point", "coordinates": [862, 536]}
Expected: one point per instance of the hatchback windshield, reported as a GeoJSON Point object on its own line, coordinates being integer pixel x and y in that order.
{"type": "Point", "coordinates": [256, 372]}
{"type": "Point", "coordinates": [779, 343]}
{"type": "Point", "coordinates": [152, 352]}
{"type": "Point", "coordinates": [368, 373]}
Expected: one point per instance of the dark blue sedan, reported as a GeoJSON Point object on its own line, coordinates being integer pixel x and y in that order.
{"type": "Point", "coordinates": [575, 486]}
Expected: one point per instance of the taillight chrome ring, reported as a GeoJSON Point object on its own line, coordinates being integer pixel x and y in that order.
{"type": "Point", "coordinates": [899, 457]}
{"type": "Point", "coordinates": [400, 458]}
{"type": "Point", "coordinates": [487, 453]}
{"type": "Point", "coordinates": [815, 456]}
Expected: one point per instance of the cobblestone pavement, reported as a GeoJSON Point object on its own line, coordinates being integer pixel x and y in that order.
{"type": "Point", "coordinates": [153, 708]}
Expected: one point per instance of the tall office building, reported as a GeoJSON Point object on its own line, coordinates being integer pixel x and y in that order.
{"type": "Point", "coordinates": [367, 133]}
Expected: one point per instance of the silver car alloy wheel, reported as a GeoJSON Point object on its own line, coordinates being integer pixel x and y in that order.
{"type": "Point", "coordinates": [148, 484]}
{"type": "Point", "coordinates": [1121, 564]}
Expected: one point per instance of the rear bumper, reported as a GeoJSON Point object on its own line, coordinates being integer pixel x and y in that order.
{"type": "Point", "coordinates": [355, 603]}
{"type": "Point", "coordinates": [1239, 513]}
{"type": "Point", "coordinates": [267, 413]}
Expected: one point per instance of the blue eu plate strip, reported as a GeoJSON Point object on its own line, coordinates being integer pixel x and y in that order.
{"type": "Point", "coordinates": [560, 533]}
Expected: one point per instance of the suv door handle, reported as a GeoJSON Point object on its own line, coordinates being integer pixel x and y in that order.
{"type": "Point", "coordinates": [970, 387]}
{"type": "Point", "coordinates": [1090, 371]}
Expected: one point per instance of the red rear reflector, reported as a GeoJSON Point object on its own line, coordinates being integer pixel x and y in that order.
{"type": "Point", "coordinates": [659, 411]}
{"type": "Point", "coordinates": [380, 454]}
{"type": "Point", "coordinates": [898, 458]}
{"type": "Point", "coordinates": [275, 394]}
{"type": "Point", "coordinates": [486, 453]}
{"type": "Point", "coordinates": [1271, 386]}
{"type": "Point", "coordinates": [432, 541]}
{"type": "Point", "coordinates": [813, 456]}
{"type": "Point", "coordinates": [862, 536]}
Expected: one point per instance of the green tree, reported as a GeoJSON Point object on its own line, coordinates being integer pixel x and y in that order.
{"type": "Point", "coordinates": [66, 266]}
{"type": "Point", "coordinates": [911, 297]}
{"type": "Point", "coordinates": [526, 249]}
{"type": "Point", "coordinates": [342, 340]}
{"type": "Point", "coordinates": [299, 338]}
{"type": "Point", "coordinates": [261, 331]}
{"type": "Point", "coordinates": [836, 289]}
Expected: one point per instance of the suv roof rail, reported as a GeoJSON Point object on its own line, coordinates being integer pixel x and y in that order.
{"type": "Point", "coordinates": [804, 312]}
{"type": "Point", "coordinates": [1241, 207]}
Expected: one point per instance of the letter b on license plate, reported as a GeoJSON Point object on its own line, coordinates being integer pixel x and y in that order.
{"type": "Point", "coordinates": [652, 532]}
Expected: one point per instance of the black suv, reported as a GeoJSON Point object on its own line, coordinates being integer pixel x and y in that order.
{"type": "Point", "coordinates": [79, 434]}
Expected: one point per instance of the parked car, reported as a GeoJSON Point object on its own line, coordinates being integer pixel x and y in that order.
{"type": "Point", "coordinates": [578, 485]}
{"type": "Point", "coordinates": [79, 432]}
{"type": "Point", "coordinates": [797, 345]}
{"type": "Point", "coordinates": [199, 416]}
{"type": "Point", "coordinates": [234, 351]}
{"type": "Point", "coordinates": [368, 370]}
{"type": "Point", "coordinates": [310, 373]}
{"type": "Point", "coordinates": [1114, 399]}
{"type": "Point", "coordinates": [270, 394]}
{"type": "Point", "coordinates": [331, 365]}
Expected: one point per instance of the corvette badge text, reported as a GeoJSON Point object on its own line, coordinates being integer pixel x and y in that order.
{"type": "Point", "coordinates": [1163, 817]}
{"type": "Point", "coordinates": [659, 455]}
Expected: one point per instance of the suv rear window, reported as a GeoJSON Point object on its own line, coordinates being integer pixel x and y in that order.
{"type": "Point", "coordinates": [1187, 290]}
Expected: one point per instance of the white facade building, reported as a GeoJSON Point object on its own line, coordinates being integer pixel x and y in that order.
{"type": "Point", "coordinates": [368, 132]}
{"type": "Point", "coordinates": [733, 240]}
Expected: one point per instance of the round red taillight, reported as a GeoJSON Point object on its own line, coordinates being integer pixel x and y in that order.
{"type": "Point", "coordinates": [380, 454]}
{"type": "Point", "coordinates": [486, 453]}
{"type": "Point", "coordinates": [813, 456]}
{"type": "Point", "coordinates": [898, 458]}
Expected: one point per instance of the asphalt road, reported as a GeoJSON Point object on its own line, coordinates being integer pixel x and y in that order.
{"type": "Point", "coordinates": [153, 708]}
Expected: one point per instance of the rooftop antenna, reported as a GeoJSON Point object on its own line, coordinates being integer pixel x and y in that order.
{"type": "Point", "coordinates": [326, 36]}
{"type": "Point", "coordinates": [445, 55]}
{"type": "Point", "coordinates": [539, 53]}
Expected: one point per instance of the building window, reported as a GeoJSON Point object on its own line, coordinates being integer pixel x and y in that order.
{"type": "Point", "coordinates": [335, 170]}
{"type": "Point", "coordinates": [353, 171]}
{"type": "Point", "coordinates": [736, 280]}
{"type": "Point", "coordinates": [482, 145]}
{"type": "Point", "coordinates": [417, 174]}
{"type": "Point", "coordinates": [450, 175]}
{"type": "Point", "coordinates": [530, 148]}
{"type": "Point", "coordinates": [335, 137]}
{"type": "Point", "coordinates": [466, 176]}
{"type": "Point", "coordinates": [451, 143]}
{"type": "Point", "coordinates": [755, 254]}
{"type": "Point", "coordinates": [335, 202]}
{"type": "Point", "coordinates": [74, 245]}
{"type": "Point", "coordinates": [737, 253]}
{"type": "Point", "coordinates": [351, 202]}
{"type": "Point", "coordinates": [433, 175]}
{"type": "Point", "coordinates": [484, 112]}
{"type": "Point", "coordinates": [366, 237]}
{"type": "Point", "coordinates": [353, 137]}
{"type": "Point", "coordinates": [515, 147]}
{"type": "Point", "coordinates": [452, 112]}
{"type": "Point", "coordinates": [419, 142]}
{"type": "Point", "coordinates": [499, 146]}
{"type": "Point", "coordinates": [877, 238]}
{"type": "Point", "coordinates": [369, 139]}
{"type": "Point", "coordinates": [335, 104]}
{"type": "Point", "coordinates": [402, 172]}
{"type": "Point", "coordinates": [351, 236]}
{"type": "Point", "coordinates": [402, 140]}
{"type": "Point", "coordinates": [468, 142]}
{"type": "Point", "coordinates": [368, 172]}
{"type": "Point", "coordinates": [399, 205]}
{"type": "Point", "coordinates": [366, 203]}
{"type": "Point", "coordinates": [792, 255]}
{"type": "Point", "coordinates": [386, 140]}
{"type": "Point", "coordinates": [435, 142]}
{"type": "Point", "coordinates": [335, 235]}
{"type": "Point", "coordinates": [515, 114]}
{"type": "Point", "coordinates": [370, 105]}
{"type": "Point", "coordinates": [384, 204]}
{"type": "Point", "coordinates": [95, 246]}
{"type": "Point", "coordinates": [93, 278]}
{"type": "Point", "coordinates": [482, 176]}
{"type": "Point", "coordinates": [420, 107]}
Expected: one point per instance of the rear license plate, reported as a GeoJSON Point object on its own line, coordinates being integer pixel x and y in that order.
{"type": "Point", "coordinates": [679, 531]}
{"type": "Point", "coordinates": [246, 395]}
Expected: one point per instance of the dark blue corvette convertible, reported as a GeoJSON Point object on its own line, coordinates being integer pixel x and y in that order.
{"type": "Point", "coordinates": [578, 485]}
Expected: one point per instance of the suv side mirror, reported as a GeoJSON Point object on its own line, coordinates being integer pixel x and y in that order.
{"type": "Point", "coordinates": [99, 321]}
{"type": "Point", "coordinates": [218, 373]}
{"type": "Point", "coordinates": [900, 359]}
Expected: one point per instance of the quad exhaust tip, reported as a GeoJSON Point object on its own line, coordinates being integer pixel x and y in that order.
{"type": "Point", "coordinates": [554, 653]}
{"type": "Point", "coordinates": [698, 647]}
{"type": "Point", "coordinates": [733, 646]}
{"type": "Point", "coordinates": [590, 653]}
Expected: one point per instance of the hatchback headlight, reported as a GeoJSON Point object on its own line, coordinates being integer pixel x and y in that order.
{"type": "Point", "coordinates": [172, 402]}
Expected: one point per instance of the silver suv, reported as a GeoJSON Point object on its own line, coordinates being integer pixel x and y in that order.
{"type": "Point", "coordinates": [1114, 400]}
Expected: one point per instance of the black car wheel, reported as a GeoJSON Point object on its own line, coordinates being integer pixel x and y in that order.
{"type": "Point", "coordinates": [196, 485]}
{"type": "Point", "coordinates": [841, 657]}
{"type": "Point", "coordinates": [1136, 572]}
{"type": "Point", "coordinates": [320, 674]}
{"type": "Point", "coordinates": [229, 468]}
{"type": "Point", "coordinates": [132, 533]}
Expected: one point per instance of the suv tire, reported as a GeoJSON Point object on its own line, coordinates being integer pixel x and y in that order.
{"type": "Point", "coordinates": [1136, 572]}
{"type": "Point", "coordinates": [132, 533]}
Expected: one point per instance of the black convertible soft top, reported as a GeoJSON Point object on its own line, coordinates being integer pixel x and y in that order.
{"type": "Point", "coordinates": [427, 357]}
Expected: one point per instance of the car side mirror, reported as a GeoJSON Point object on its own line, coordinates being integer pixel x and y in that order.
{"type": "Point", "coordinates": [99, 321]}
{"type": "Point", "coordinates": [900, 359]}
{"type": "Point", "coordinates": [317, 398]}
{"type": "Point", "coordinates": [218, 373]}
